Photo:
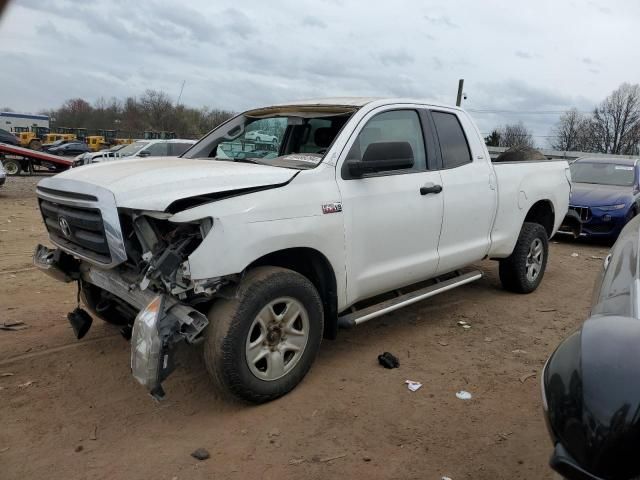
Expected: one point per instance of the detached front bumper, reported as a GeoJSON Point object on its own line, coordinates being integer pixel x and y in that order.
{"type": "Point", "coordinates": [162, 321]}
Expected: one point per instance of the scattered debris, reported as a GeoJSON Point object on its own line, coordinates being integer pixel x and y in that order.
{"type": "Point", "coordinates": [94, 433]}
{"type": "Point", "coordinates": [335, 457]}
{"type": "Point", "coordinates": [79, 448]}
{"type": "Point", "coordinates": [504, 436]}
{"type": "Point", "coordinates": [296, 461]}
{"type": "Point", "coordinates": [388, 360]}
{"type": "Point", "coordinates": [445, 478]}
{"type": "Point", "coordinates": [517, 351]}
{"type": "Point", "coordinates": [366, 458]}
{"type": "Point", "coordinates": [13, 326]}
{"type": "Point", "coordinates": [200, 454]}
{"type": "Point", "coordinates": [2, 450]}
{"type": "Point", "coordinates": [524, 378]}
{"type": "Point", "coordinates": [6, 374]}
{"type": "Point", "coordinates": [443, 343]}
{"type": "Point", "coordinates": [488, 339]}
{"type": "Point", "coordinates": [26, 384]}
{"type": "Point", "coordinates": [464, 324]}
{"type": "Point", "coordinates": [596, 257]}
{"type": "Point", "coordinates": [413, 386]}
{"type": "Point", "coordinates": [575, 254]}
{"type": "Point", "coordinates": [463, 395]}
{"type": "Point", "coordinates": [274, 433]}
{"type": "Point", "coordinates": [544, 310]}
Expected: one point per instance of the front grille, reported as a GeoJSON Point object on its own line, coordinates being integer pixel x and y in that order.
{"type": "Point", "coordinates": [79, 229]}
{"type": "Point", "coordinates": [600, 228]}
{"type": "Point", "coordinates": [583, 212]}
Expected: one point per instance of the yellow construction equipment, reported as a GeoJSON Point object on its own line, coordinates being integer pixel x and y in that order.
{"type": "Point", "coordinates": [96, 142]}
{"type": "Point", "coordinates": [27, 138]}
{"type": "Point", "coordinates": [54, 137]}
{"type": "Point", "coordinates": [122, 141]}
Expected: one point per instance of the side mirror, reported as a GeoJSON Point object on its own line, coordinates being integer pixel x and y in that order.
{"type": "Point", "coordinates": [144, 153]}
{"type": "Point", "coordinates": [382, 157]}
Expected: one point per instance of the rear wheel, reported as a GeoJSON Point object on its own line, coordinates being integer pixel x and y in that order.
{"type": "Point", "coordinates": [523, 270]}
{"type": "Point", "coordinates": [12, 167]}
{"type": "Point", "coordinates": [35, 145]}
{"type": "Point", "coordinates": [261, 341]}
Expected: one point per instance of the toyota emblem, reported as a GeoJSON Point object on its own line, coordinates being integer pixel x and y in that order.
{"type": "Point", "coordinates": [64, 226]}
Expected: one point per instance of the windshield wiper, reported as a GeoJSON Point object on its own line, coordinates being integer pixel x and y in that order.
{"type": "Point", "coordinates": [246, 160]}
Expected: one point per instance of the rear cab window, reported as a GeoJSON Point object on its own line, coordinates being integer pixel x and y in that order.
{"type": "Point", "coordinates": [454, 146]}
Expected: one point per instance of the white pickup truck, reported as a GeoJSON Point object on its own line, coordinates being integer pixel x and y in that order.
{"type": "Point", "coordinates": [365, 206]}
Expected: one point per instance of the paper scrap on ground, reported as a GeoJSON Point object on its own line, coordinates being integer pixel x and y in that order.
{"type": "Point", "coordinates": [574, 254]}
{"type": "Point", "coordinates": [463, 395]}
{"type": "Point", "coordinates": [413, 386]}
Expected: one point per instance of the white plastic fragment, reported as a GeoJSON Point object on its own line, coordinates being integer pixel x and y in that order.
{"type": "Point", "coordinates": [413, 386]}
{"type": "Point", "coordinates": [574, 254]}
{"type": "Point", "coordinates": [463, 395]}
{"type": "Point", "coordinates": [445, 478]}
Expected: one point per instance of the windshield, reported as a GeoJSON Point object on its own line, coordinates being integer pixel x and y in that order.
{"type": "Point", "coordinates": [603, 173]}
{"type": "Point", "coordinates": [131, 149]}
{"type": "Point", "coordinates": [297, 141]}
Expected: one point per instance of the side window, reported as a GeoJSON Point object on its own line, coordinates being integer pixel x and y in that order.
{"type": "Point", "coordinates": [158, 149]}
{"type": "Point", "coordinates": [178, 148]}
{"type": "Point", "coordinates": [397, 129]}
{"type": "Point", "coordinates": [453, 143]}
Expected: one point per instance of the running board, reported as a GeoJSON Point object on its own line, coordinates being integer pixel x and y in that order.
{"type": "Point", "coordinates": [350, 320]}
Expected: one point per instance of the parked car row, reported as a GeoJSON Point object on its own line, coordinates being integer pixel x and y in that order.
{"type": "Point", "coordinates": [139, 148]}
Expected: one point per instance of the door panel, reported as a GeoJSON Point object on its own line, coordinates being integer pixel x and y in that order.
{"type": "Point", "coordinates": [469, 193]}
{"type": "Point", "coordinates": [391, 227]}
{"type": "Point", "coordinates": [392, 232]}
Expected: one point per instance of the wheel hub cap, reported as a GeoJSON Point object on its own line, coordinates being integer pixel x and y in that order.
{"type": "Point", "coordinates": [277, 338]}
{"type": "Point", "coordinates": [535, 258]}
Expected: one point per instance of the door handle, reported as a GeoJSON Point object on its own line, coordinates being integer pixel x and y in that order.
{"type": "Point", "coordinates": [430, 188]}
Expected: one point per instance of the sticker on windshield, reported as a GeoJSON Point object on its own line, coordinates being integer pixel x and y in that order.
{"type": "Point", "coordinates": [621, 167]}
{"type": "Point", "coordinates": [314, 158]}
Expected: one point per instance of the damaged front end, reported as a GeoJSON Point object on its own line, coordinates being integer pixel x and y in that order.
{"type": "Point", "coordinates": [147, 290]}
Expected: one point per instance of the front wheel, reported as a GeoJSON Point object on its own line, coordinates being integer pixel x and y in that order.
{"type": "Point", "coordinates": [523, 270]}
{"type": "Point", "coordinates": [12, 167]}
{"type": "Point", "coordinates": [261, 341]}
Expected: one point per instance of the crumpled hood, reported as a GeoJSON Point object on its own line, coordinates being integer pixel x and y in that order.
{"type": "Point", "coordinates": [592, 195]}
{"type": "Point", "coordinates": [153, 183]}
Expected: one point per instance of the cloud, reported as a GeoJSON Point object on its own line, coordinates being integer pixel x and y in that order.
{"type": "Point", "coordinates": [442, 21]}
{"type": "Point", "coordinates": [313, 22]}
{"type": "Point", "coordinates": [523, 54]}
{"type": "Point", "coordinates": [398, 58]}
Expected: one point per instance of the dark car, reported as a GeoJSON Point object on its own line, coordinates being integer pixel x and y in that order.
{"type": "Point", "coordinates": [69, 149]}
{"type": "Point", "coordinates": [605, 195]}
{"type": "Point", "coordinates": [8, 137]}
{"type": "Point", "coordinates": [46, 147]}
{"type": "Point", "coordinates": [591, 383]}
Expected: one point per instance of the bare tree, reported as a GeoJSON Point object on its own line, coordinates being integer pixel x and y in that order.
{"type": "Point", "coordinates": [516, 135]}
{"type": "Point", "coordinates": [616, 121]}
{"type": "Point", "coordinates": [572, 132]}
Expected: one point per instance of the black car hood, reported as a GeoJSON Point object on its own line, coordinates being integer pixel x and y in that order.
{"type": "Point", "coordinates": [592, 388]}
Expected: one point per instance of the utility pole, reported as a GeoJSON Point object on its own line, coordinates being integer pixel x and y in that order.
{"type": "Point", "coordinates": [460, 86]}
{"type": "Point", "coordinates": [181, 89]}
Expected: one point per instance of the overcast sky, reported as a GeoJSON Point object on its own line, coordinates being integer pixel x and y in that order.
{"type": "Point", "coordinates": [524, 56]}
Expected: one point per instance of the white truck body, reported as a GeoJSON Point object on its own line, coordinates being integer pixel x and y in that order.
{"type": "Point", "coordinates": [377, 232]}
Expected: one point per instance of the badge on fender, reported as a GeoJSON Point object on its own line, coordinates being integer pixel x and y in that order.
{"type": "Point", "coordinates": [335, 207]}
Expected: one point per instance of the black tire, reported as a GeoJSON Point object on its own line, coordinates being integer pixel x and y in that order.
{"type": "Point", "coordinates": [12, 167]}
{"type": "Point", "coordinates": [232, 321]}
{"type": "Point", "coordinates": [514, 269]}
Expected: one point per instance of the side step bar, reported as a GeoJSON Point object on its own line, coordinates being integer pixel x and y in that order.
{"type": "Point", "coordinates": [350, 320]}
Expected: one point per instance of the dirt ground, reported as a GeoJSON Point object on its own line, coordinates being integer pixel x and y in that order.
{"type": "Point", "coordinates": [71, 410]}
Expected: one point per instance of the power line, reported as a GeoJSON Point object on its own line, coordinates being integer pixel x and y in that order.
{"type": "Point", "coordinates": [525, 112]}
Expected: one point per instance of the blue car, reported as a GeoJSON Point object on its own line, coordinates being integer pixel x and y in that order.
{"type": "Point", "coordinates": [605, 195]}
